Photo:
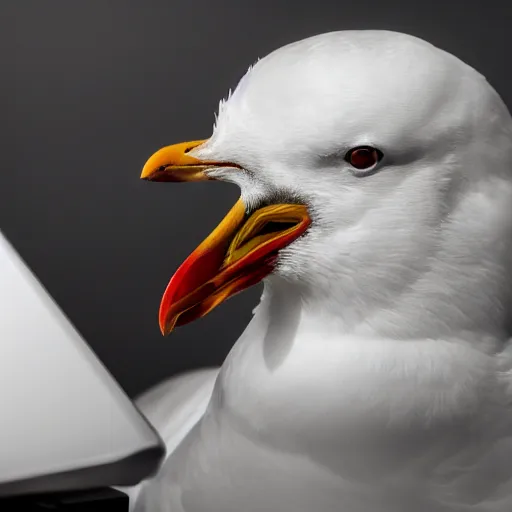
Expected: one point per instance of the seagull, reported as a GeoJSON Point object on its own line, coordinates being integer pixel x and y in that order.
{"type": "Point", "coordinates": [376, 373]}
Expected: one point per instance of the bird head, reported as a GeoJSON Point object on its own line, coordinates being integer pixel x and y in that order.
{"type": "Point", "coordinates": [367, 161]}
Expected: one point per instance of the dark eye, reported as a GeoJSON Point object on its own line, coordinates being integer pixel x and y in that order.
{"type": "Point", "coordinates": [363, 157]}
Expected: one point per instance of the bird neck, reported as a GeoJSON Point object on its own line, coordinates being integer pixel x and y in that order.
{"type": "Point", "coordinates": [460, 306]}
{"type": "Point", "coordinates": [302, 381]}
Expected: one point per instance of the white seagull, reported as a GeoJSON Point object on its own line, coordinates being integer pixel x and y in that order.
{"type": "Point", "coordinates": [376, 374]}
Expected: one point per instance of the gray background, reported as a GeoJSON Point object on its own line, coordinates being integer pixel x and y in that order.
{"type": "Point", "coordinates": [91, 88]}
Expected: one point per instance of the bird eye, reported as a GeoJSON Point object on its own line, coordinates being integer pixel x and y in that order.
{"type": "Point", "coordinates": [363, 157]}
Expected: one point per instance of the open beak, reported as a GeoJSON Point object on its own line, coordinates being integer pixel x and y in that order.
{"type": "Point", "coordinates": [239, 252]}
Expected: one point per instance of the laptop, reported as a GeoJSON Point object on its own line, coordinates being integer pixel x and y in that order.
{"type": "Point", "coordinates": [65, 423]}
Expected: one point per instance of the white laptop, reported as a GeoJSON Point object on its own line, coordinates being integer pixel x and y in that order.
{"type": "Point", "coordinates": [65, 424]}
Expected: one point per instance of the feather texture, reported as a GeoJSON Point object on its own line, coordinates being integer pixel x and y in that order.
{"type": "Point", "coordinates": [376, 373]}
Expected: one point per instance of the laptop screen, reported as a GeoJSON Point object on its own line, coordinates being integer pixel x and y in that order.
{"type": "Point", "coordinates": [65, 423]}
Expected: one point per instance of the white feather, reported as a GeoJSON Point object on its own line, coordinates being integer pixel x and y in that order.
{"type": "Point", "coordinates": [376, 374]}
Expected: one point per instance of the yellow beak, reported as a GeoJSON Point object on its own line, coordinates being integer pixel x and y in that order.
{"type": "Point", "coordinates": [239, 252]}
{"type": "Point", "coordinates": [173, 163]}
